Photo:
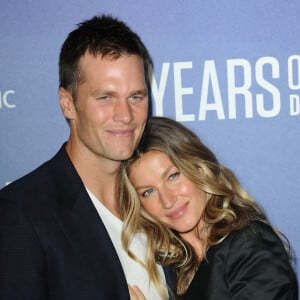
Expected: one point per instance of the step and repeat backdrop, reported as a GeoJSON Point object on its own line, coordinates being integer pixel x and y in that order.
{"type": "Point", "coordinates": [229, 70]}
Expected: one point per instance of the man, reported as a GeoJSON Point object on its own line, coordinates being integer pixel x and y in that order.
{"type": "Point", "coordinates": [59, 225]}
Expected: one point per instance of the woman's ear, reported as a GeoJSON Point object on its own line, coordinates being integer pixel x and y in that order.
{"type": "Point", "coordinates": [200, 170]}
{"type": "Point", "coordinates": [67, 103]}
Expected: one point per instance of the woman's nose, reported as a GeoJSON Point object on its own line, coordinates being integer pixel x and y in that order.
{"type": "Point", "coordinates": [167, 198]}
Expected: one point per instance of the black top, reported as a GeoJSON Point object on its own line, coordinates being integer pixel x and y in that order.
{"type": "Point", "coordinates": [249, 264]}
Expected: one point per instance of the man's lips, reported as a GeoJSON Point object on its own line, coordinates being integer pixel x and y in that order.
{"type": "Point", "coordinates": [178, 212]}
{"type": "Point", "coordinates": [121, 132]}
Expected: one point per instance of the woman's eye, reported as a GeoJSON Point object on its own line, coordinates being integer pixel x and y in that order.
{"type": "Point", "coordinates": [147, 192]}
{"type": "Point", "coordinates": [173, 176]}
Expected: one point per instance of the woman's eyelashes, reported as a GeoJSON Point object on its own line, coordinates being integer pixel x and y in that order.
{"type": "Point", "coordinates": [147, 192]}
{"type": "Point", "coordinates": [173, 176]}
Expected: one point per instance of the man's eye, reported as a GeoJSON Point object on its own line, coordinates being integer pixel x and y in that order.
{"type": "Point", "coordinates": [136, 98]}
{"type": "Point", "coordinates": [103, 98]}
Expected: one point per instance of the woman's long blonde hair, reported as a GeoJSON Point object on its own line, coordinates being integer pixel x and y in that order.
{"type": "Point", "coordinates": [228, 208]}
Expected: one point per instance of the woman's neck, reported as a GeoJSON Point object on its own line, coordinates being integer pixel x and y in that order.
{"type": "Point", "coordinates": [198, 241]}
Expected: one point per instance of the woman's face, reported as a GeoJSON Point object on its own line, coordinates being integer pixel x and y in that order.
{"type": "Point", "coordinates": [166, 194]}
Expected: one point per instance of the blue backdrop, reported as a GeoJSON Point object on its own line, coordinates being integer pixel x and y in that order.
{"type": "Point", "coordinates": [230, 70]}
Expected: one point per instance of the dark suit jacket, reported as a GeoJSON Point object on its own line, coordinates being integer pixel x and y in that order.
{"type": "Point", "coordinates": [53, 244]}
{"type": "Point", "coordinates": [250, 264]}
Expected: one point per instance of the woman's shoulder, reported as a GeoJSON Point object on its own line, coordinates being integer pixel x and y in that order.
{"type": "Point", "coordinates": [255, 237]}
{"type": "Point", "coordinates": [254, 229]}
{"type": "Point", "coordinates": [248, 259]}
{"type": "Point", "coordinates": [256, 232]}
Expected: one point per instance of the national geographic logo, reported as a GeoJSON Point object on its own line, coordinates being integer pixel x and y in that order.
{"type": "Point", "coordinates": [6, 99]}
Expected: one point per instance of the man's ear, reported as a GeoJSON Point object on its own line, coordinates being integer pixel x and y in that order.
{"type": "Point", "coordinates": [66, 103]}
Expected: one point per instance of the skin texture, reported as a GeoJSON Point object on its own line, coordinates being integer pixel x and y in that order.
{"type": "Point", "coordinates": [109, 114]}
{"type": "Point", "coordinates": [135, 293]}
{"type": "Point", "coordinates": [107, 119]}
{"type": "Point", "coordinates": [167, 195]}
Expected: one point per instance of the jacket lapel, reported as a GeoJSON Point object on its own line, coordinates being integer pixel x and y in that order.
{"type": "Point", "coordinates": [85, 230]}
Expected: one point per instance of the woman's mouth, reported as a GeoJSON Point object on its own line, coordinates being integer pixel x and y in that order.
{"type": "Point", "coordinates": [178, 212]}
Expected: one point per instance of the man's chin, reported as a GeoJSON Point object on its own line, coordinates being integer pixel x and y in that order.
{"type": "Point", "coordinates": [121, 156]}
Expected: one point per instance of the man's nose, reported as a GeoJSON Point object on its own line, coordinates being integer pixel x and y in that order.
{"type": "Point", "coordinates": [122, 111]}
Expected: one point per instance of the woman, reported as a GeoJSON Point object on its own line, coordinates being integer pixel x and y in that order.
{"type": "Point", "coordinates": [199, 218]}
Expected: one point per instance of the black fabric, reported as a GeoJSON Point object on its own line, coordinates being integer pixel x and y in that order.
{"type": "Point", "coordinates": [250, 264]}
{"type": "Point", "coordinates": [53, 245]}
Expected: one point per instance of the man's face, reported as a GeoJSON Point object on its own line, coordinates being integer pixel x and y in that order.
{"type": "Point", "coordinates": [111, 108]}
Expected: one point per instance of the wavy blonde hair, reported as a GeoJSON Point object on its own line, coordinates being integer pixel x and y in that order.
{"type": "Point", "coordinates": [229, 207]}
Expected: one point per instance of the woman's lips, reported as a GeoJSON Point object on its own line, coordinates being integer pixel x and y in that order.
{"type": "Point", "coordinates": [178, 212]}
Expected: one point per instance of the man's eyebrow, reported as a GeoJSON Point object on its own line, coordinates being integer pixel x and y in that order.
{"type": "Point", "coordinates": [102, 92]}
{"type": "Point", "coordinates": [110, 92]}
{"type": "Point", "coordinates": [141, 92]}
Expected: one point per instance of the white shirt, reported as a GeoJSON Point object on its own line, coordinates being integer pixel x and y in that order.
{"type": "Point", "coordinates": [135, 273]}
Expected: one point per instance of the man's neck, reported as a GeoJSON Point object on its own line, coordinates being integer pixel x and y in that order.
{"type": "Point", "coordinates": [98, 174]}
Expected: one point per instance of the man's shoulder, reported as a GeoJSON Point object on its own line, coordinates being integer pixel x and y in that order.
{"type": "Point", "coordinates": [39, 178]}
{"type": "Point", "coordinates": [53, 185]}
